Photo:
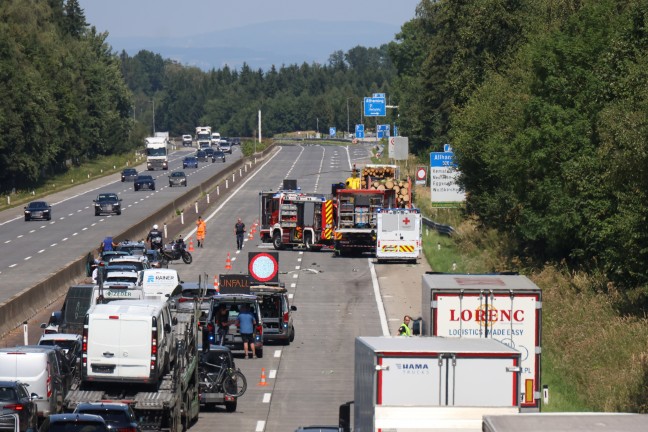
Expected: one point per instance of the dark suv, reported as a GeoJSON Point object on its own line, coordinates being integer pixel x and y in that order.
{"type": "Point", "coordinates": [233, 303]}
{"type": "Point", "coordinates": [119, 417]}
{"type": "Point", "coordinates": [15, 399]}
{"type": "Point", "coordinates": [276, 313]}
{"type": "Point", "coordinates": [107, 203]}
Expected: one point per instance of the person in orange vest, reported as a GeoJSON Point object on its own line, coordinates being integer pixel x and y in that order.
{"type": "Point", "coordinates": [201, 230]}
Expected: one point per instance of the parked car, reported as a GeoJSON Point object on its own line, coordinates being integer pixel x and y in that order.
{"type": "Point", "coordinates": [73, 422]}
{"type": "Point", "coordinates": [132, 247]}
{"type": "Point", "coordinates": [178, 178]}
{"type": "Point", "coordinates": [144, 181]}
{"type": "Point", "coordinates": [187, 140]}
{"type": "Point", "coordinates": [276, 312]}
{"type": "Point", "coordinates": [218, 154]}
{"type": "Point", "coordinates": [190, 162]}
{"type": "Point", "coordinates": [38, 210]}
{"type": "Point", "coordinates": [128, 174]}
{"type": "Point", "coordinates": [201, 156]}
{"type": "Point", "coordinates": [16, 399]}
{"type": "Point", "coordinates": [119, 417]}
{"type": "Point", "coordinates": [70, 342]}
{"type": "Point", "coordinates": [109, 203]}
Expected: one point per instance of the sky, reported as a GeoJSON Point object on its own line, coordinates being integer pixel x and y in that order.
{"type": "Point", "coordinates": [180, 18]}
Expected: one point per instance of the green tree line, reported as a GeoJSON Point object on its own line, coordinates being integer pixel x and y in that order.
{"type": "Point", "coordinates": [68, 98]}
{"type": "Point", "coordinates": [545, 104]}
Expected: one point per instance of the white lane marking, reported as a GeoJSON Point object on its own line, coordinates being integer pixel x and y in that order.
{"type": "Point", "coordinates": [65, 239]}
{"type": "Point", "coordinates": [20, 236]}
{"type": "Point", "coordinates": [238, 251]}
{"type": "Point", "coordinates": [297, 267]}
{"type": "Point", "coordinates": [74, 234]}
{"type": "Point", "coordinates": [293, 285]}
{"type": "Point", "coordinates": [31, 231]}
{"type": "Point", "coordinates": [295, 276]}
{"type": "Point", "coordinates": [13, 265]}
{"type": "Point", "coordinates": [93, 224]}
{"type": "Point", "coordinates": [266, 397]}
{"type": "Point", "coordinates": [41, 251]}
{"type": "Point", "coordinates": [84, 229]}
{"type": "Point", "coordinates": [301, 252]}
{"type": "Point", "coordinates": [233, 259]}
{"type": "Point", "coordinates": [53, 244]}
{"type": "Point", "coordinates": [8, 241]}
{"type": "Point", "coordinates": [260, 426]}
{"type": "Point", "coordinates": [70, 214]}
{"type": "Point", "coordinates": [290, 296]}
{"type": "Point", "coordinates": [213, 214]}
{"type": "Point", "coordinates": [272, 374]}
{"type": "Point", "coordinates": [27, 258]}
{"type": "Point", "coordinates": [379, 303]}
{"type": "Point", "coordinates": [80, 210]}
{"type": "Point", "coordinates": [299, 259]}
{"type": "Point", "coordinates": [277, 353]}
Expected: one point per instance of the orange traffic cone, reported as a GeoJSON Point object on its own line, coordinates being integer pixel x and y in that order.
{"type": "Point", "coordinates": [228, 262]}
{"type": "Point", "coordinates": [191, 249]}
{"type": "Point", "coordinates": [251, 236]}
{"type": "Point", "coordinates": [216, 283]}
{"type": "Point", "coordinates": [263, 378]}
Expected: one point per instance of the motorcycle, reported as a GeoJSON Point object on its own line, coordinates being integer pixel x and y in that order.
{"type": "Point", "coordinates": [175, 251]}
{"type": "Point", "coordinates": [156, 243]}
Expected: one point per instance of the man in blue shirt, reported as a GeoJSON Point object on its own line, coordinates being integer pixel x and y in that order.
{"type": "Point", "coordinates": [247, 322]}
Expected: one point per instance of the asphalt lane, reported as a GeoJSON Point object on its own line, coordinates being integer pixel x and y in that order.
{"type": "Point", "coordinates": [32, 251]}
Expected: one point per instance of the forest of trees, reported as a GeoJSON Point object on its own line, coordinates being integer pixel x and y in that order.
{"type": "Point", "coordinates": [545, 103]}
{"type": "Point", "coordinates": [69, 98]}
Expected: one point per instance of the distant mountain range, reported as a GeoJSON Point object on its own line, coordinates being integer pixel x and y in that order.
{"type": "Point", "coordinates": [263, 45]}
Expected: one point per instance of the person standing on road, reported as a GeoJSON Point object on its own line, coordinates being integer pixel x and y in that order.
{"type": "Point", "coordinates": [404, 329]}
{"type": "Point", "coordinates": [247, 322]}
{"type": "Point", "coordinates": [201, 230]}
{"type": "Point", "coordinates": [239, 230]}
{"type": "Point", "coordinates": [222, 323]}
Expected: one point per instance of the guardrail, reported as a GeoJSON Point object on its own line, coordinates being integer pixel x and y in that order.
{"type": "Point", "coordinates": [440, 228]}
{"type": "Point", "coordinates": [28, 302]}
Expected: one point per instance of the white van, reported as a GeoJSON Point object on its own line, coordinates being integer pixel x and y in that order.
{"type": "Point", "coordinates": [39, 368]}
{"type": "Point", "coordinates": [160, 283]}
{"type": "Point", "coordinates": [128, 341]}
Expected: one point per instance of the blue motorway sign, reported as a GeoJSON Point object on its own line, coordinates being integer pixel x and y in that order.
{"type": "Point", "coordinates": [383, 127]}
{"type": "Point", "coordinates": [332, 132]}
{"type": "Point", "coordinates": [442, 159]}
{"type": "Point", "coordinates": [374, 107]}
{"type": "Point", "coordinates": [381, 134]}
{"type": "Point", "coordinates": [359, 131]}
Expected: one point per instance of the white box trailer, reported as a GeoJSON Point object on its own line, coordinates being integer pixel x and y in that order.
{"type": "Point", "coordinates": [428, 383]}
{"type": "Point", "coordinates": [505, 307]}
{"type": "Point", "coordinates": [563, 422]}
{"type": "Point", "coordinates": [398, 234]}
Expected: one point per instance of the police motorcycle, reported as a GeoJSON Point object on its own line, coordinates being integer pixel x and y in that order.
{"type": "Point", "coordinates": [175, 250]}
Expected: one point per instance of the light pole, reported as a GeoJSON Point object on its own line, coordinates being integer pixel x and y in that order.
{"type": "Point", "coordinates": [153, 102]}
{"type": "Point", "coordinates": [317, 127]}
{"type": "Point", "coordinates": [348, 130]}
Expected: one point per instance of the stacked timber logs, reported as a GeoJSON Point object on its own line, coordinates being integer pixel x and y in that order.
{"type": "Point", "coordinates": [382, 178]}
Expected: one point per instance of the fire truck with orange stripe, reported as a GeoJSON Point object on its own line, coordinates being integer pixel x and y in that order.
{"type": "Point", "coordinates": [290, 218]}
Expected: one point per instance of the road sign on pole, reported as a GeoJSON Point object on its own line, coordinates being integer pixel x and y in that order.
{"type": "Point", "coordinates": [374, 107]}
{"type": "Point", "coordinates": [332, 132]}
{"type": "Point", "coordinates": [359, 131]}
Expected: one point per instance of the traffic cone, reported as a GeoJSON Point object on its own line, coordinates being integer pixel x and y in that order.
{"type": "Point", "coordinates": [228, 262]}
{"type": "Point", "coordinates": [191, 249]}
{"type": "Point", "coordinates": [216, 283]}
{"type": "Point", "coordinates": [263, 378]}
{"type": "Point", "coordinates": [251, 236]}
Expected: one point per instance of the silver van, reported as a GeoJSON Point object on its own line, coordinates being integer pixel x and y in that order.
{"type": "Point", "coordinates": [38, 367]}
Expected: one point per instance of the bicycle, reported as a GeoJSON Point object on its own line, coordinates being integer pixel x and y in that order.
{"type": "Point", "coordinates": [230, 380]}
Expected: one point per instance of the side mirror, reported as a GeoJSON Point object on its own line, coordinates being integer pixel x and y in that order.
{"type": "Point", "coordinates": [293, 308]}
{"type": "Point", "coordinates": [43, 325]}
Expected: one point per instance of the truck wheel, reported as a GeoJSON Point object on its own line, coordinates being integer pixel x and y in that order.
{"type": "Point", "coordinates": [230, 406]}
{"type": "Point", "coordinates": [276, 241]}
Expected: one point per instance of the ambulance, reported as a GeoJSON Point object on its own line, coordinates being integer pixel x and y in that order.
{"type": "Point", "coordinates": [398, 234]}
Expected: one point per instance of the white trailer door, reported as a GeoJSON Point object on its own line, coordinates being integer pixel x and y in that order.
{"type": "Point", "coordinates": [399, 234]}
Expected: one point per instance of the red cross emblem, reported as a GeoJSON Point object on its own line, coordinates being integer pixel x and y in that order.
{"type": "Point", "coordinates": [406, 221]}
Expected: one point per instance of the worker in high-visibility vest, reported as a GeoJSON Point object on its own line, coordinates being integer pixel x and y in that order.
{"type": "Point", "coordinates": [353, 182]}
{"type": "Point", "coordinates": [404, 329]}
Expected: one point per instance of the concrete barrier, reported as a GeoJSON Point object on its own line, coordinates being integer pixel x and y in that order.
{"type": "Point", "coordinates": [24, 305]}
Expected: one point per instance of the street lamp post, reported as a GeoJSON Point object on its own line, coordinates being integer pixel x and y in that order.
{"type": "Point", "coordinates": [153, 102]}
{"type": "Point", "coordinates": [348, 130]}
{"type": "Point", "coordinates": [317, 126]}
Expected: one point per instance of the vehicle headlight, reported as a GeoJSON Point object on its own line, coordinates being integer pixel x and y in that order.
{"type": "Point", "coordinates": [27, 212]}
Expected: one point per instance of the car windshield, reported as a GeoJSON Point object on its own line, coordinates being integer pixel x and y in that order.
{"type": "Point", "coordinates": [129, 279]}
{"type": "Point", "coordinates": [145, 177]}
{"type": "Point", "coordinates": [130, 171]}
{"type": "Point", "coordinates": [177, 174]}
{"type": "Point", "coordinates": [201, 153]}
{"type": "Point", "coordinates": [7, 394]}
{"type": "Point", "coordinates": [219, 153]}
{"type": "Point", "coordinates": [196, 292]}
{"type": "Point", "coordinates": [112, 417]}
{"type": "Point", "coordinates": [123, 267]}
{"type": "Point", "coordinates": [63, 343]}
{"type": "Point", "coordinates": [107, 197]}
{"type": "Point", "coordinates": [77, 426]}
{"type": "Point", "coordinates": [37, 205]}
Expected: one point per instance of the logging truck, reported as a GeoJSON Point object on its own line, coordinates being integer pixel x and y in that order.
{"type": "Point", "coordinates": [291, 218]}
